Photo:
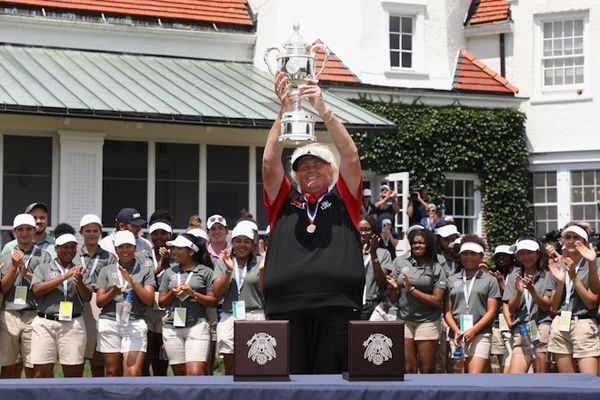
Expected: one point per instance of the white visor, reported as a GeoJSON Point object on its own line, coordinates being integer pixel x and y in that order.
{"type": "Point", "coordinates": [160, 225]}
{"type": "Point", "coordinates": [472, 246]}
{"type": "Point", "coordinates": [527, 244]}
{"type": "Point", "coordinates": [65, 238]}
{"type": "Point", "coordinates": [503, 249]}
{"type": "Point", "coordinates": [579, 231]}
{"type": "Point", "coordinates": [181, 241]}
{"type": "Point", "coordinates": [447, 230]}
{"type": "Point", "coordinates": [124, 237]}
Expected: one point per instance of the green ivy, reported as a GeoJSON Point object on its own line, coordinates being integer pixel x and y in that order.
{"type": "Point", "coordinates": [431, 141]}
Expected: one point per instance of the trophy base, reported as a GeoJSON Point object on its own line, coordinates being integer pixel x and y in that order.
{"type": "Point", "coordinates": [297, 127]}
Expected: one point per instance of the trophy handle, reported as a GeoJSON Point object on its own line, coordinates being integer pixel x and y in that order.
{"type": "Point", "coordinates": [266, 58]}
{"type": "Point", "coordinates": [312, 53]}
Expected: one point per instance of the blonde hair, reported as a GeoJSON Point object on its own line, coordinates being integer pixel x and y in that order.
{"type": "Point", "coordinates": [320, 151]}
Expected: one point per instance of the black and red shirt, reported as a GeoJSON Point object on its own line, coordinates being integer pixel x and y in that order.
{"type": "Point", "coordinates": [307, 271]}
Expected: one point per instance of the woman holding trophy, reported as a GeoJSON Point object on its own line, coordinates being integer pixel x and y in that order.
{"type": "Point", "coordinates": [314, 274]}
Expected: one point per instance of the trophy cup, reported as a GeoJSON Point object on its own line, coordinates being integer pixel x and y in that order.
{"type": "Point", "coordinates": [298, 61]}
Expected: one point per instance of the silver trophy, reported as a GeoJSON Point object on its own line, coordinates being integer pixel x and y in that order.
{"type": "Point", "coordinates": [298, 61]}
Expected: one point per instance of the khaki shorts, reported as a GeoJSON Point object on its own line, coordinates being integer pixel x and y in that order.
{"type": "Point", "coordinates": [422, 330]}
{"type": "Point", "coordinates": [187, 344]}
{"type": "Point", "coordinates": [62, 341]}
{"type": "Point", "coordinates": [541, 345]}
{"type": "Point", "coordinates": [225, 330]}
{"type": "Point", "coordinates": [154, 319]}
{"type": "Point", "coordinates": [480, 346]}
{"type": "Point", "coordinates": [117, 338]}
{"type": "Point", "coordinates": [15, 337]}
{"type": "Point", "coordinates": [498, 346]}
{"type": "Point", "coordinates": [582, 340]}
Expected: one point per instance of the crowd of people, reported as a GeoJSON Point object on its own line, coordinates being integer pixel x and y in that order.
{"type": "Point", "coordinates": [133, 306]}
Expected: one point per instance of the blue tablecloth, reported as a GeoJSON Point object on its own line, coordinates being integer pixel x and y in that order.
{"type": "Point", "coordinates": [310, 387]}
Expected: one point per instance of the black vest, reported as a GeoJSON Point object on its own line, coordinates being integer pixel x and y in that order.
{"type": "Point", "coordinates": [307, 271]}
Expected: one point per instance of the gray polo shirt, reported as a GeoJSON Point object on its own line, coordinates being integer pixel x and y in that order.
{"type": "Point", "coordinates": [93, 263]}
{"type": "Point", "coordinates": [575, 305]}
{"type": "Point", "coordinates": [249, 292]}
{"type": "Point", "coordinates": [485, 287]}
{"type": "Point", "coordinates": [373, 291]}
{"type": "Point", "coordinates": [201, 282]}
{"type": "Point", "coordinates": [109, 276]}
{"type": "Point", "coordinates": [424, 278]}
{"type": "Point", "coordinates": [521, 316]}
{"type": "Point", "coordinates": [449, 265]}
{"type": "Point", "coordinates": [50, 302]}
{"type": "Point", "coordinates": [38, 257]}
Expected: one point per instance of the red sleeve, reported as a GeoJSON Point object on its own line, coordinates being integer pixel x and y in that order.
{"type": "Point", "coordinates": [352, 203]}
{"type": "Point", "coordinates": [273, 209]}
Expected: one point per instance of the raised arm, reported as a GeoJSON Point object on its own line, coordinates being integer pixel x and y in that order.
{"type": "Point", "coordinates": [272, 169]}
{"type": "Point", "coordinates": [349, 161]}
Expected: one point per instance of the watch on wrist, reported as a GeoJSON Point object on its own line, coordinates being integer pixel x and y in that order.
{"type": "Point", "coordinates": [412, 289]}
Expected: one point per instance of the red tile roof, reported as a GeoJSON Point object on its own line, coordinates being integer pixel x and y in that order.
{"type": "Point", "coordinates": [231, 12]}
{"type": "Point", "coordinates": [484, 11]}
{"type": "Point", "coordinates": [335, 69]}
{"type": "Point", "coordinates": [474, 76]}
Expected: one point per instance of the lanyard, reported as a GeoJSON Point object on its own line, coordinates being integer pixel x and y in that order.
{"type": "Point", "coordinates": [239, 280]}
{"type": "Point", "coordinates": [366, 259]}
{"type": "Point", "coordinates": [187, 281]}
{"type": "Point", "coordinates": [467, 289]}
{"type": "Point", "coordinates": [569, 283]}
{"type": "Point", "coordinates": [313, 215]}
{"type": "Point", "coordinates": [528, 297]}
{"type": "Point", "coordinates": [65, 283]}
{"type": "Point", "coordinates": [122, 281]}
{"type": "Point", "coordinates": [20, 280]}
{"type": "Point", "coordinates": [452, 266]}
{"type": "Point", "coordinates": [154, 260]}
{"type": "Point", "coordinates": [94, 265]}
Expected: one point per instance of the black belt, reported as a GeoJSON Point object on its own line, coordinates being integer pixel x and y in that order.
{"type": "Point", "coordinates": [54, 317]}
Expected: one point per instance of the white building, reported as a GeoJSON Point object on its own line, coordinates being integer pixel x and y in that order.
{"type": "Point", "coordinates": [545, 48]}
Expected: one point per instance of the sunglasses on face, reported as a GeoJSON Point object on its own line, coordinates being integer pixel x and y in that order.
{"type": "Point", "coordinates": [212, 220]}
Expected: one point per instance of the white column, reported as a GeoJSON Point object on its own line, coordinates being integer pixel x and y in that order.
{"type": "Point", "coordinates": [80, 175]}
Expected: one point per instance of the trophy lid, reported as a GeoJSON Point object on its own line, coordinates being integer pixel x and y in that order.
{"type": "Point", "coordinates": [296, 44]}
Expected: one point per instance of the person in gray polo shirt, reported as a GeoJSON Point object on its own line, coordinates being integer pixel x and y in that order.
{"type": "Point", "coordinates": [123, 290]}
{"type": "Point", "coordinates": [186, 291]}
{"type": "Point", "coordinates": [128, 219]}
{"type": "Point", "coordinates": [59, 330]}
{"type": "Point", "coordinates": [419, 282]}
{"type": "Point", "coordinates": [41, 239]}
{"type": "Point", "coordinates": [575, 336]}
{"type": "Point", "coordinates": [236, 281]}
{"type": "Point", "coordinates": [20, 305]}
{"type": "Point", "coordinates": [472, 305]}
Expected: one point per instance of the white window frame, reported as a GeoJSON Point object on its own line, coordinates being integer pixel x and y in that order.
{"type": "Point", "coordinates": [546, 203]}
{"type": "Point", "coordinates": [563, 165]}
{"type": "Point", "coordinates": [584, 203]}
{"type": "Point", "coordinates": [400, 34]}
{"type": "Point", "coordinates": [399, 182]}
{"type": "Point", "coordinates": [561, 93]}
{"type": "Point", "coordinates": [417, 10]}
{"type": "Point", "coordinates": [477, 225]}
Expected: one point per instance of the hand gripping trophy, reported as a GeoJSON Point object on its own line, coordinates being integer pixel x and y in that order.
{"type": "Point", "coordinates": [298, 62]}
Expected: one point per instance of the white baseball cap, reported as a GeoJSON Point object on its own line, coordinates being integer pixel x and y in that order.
{"type": "Point", "coordinates": [216, 219]}
{"type": "Point", "coordinates": [124, 237]}
{"type": "Point", "coordinates": [243, 230]}
{"type": "Point", "coordinates": [23, 219]}
{"type": "Point", "coordinates": [65, 238]}
{"type": "Point", "coordinates": [198, 232]}
{"type": "Point", "coordinates": [250, 224]}
{"type": "Point", "coordinates": [367, 193]}
{"type": "Point", "coordinates": [89, 219]}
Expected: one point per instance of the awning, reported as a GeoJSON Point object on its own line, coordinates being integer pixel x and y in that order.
{"type": "Point", "coordinates": [160, 89]}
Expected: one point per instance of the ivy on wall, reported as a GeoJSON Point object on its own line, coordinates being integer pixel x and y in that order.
{"type": "Point", "coordinates": [433, 140]}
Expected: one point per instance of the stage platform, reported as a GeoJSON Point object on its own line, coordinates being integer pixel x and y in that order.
{"type": "Point", "coordinates": [310, 387]}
